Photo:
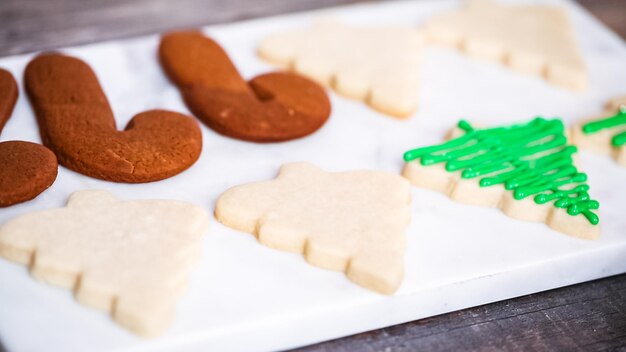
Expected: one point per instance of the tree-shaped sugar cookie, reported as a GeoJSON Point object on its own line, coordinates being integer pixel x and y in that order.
{"type": "Point", "coordinates": [379, 65]}
{"type": "Point", "coordinates": [531, 38]}
{"type": "Point", "coordinates": [347, 221]}
{"type": "Point", "coordinates": [605, 134]}
{"type": "Point", "coordinates": [129, 258]}
{"type": "Point", "coordinates": [526, 170]}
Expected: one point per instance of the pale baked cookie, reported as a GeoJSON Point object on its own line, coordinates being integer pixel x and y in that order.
{"type": "Point", "coordinates": [527, 170]}
{"type": "Point", "coordinates": [536, 39]}
{"type": "Point", "coordinates": [606, 133]}
{"type": "Point", "coordinates": [346, 221]}
{"type": "Point", "coordinates": [379, 65]}
{"type": "Point", "coordinates": [129, 258]}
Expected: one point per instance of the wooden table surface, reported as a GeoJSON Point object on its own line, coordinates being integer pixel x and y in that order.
{"type": "Point", "coordinates": [584, 317]}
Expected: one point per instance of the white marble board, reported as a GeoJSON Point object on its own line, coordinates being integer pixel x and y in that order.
{"type": "Point", "coordinates": [245, 296]}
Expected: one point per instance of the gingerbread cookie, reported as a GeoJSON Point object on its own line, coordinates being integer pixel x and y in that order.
{"type": "Point", "coordinates": [605, 134]}
{"type": "Point", "coordinates": [526, 170]}
{"type": "Point", "coordinates": [347, 221]}
{"type": "Point", "coordinates": [379, 65]}
{"type": "Point", "coordinates": [26, 169]}
{"type": "Point", "coordinates": [272, 107]}
{"type": "Point", "coordinates": [129, 258]}
{"type": "Point", "coordinates": [531, 38]}
{"type": "Point", "coordinates": [8, 96]}
{"type": "Point", "coordinates": [76, 122]}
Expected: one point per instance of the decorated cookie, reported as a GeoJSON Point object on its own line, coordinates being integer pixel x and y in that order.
{"type": "Point", "coordinates": [379, 65]}
{"type": "Point", "coordinates": [272, 107]}
{"type": "Point", "coordinates": [26, 169]}
{"type": "Point", "coordinates": [347, 221]}
{"type": "Point", "coordinates": [605, 134]}
{"type": "Point", "coordinates": [532, 38]}
{"type": "Point", "coordinates": [129, 258]}
{"type": "Point", "coordinates": [526, 170]}
{"type": "Point", "coordinates": [76, 122]}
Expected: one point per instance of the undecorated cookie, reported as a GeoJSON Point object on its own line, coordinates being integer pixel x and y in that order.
{"type": "Point", "coordinates": [129, 258]}
{"type": "Point", "coordinates": [606, 133]}
{"type": "Point", "coordinates": [379, 65]}
{"type": "Point", "coordinates": [8, 96]}
{"type": "Point", "coordinates": [77, 123]}
{"type": "Point", "coordinates": [531, 38]}
{"type": "Point", "coordinates": [271, 107]}
{"type": "Point", "coordinates": [347, 221]}
{"type": "Point", "coordinates": [26, 169]}
{"type": "Point", "coordinates": [526, 170]}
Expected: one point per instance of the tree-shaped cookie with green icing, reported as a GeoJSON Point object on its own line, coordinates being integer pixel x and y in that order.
{"type": "Point", "coordinates": [526, 170]}
{"type": "Point", "coordinates": [606, 133]}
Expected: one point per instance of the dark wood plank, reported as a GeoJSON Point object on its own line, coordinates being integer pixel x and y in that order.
{"type": "Point", "coordinates": [611, 12]}
{"type": "Point", "coordinates": [33, 25]}
{"type": "Point", "coordinates": [584, 317]}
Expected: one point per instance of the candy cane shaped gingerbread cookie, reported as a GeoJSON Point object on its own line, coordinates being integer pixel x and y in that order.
{"type": "Point", "coordinates": [272, 107]}
{"type": "Point", "coordinates": [26, 169]}
{"type": "Point", "coordinates": [77, 123]}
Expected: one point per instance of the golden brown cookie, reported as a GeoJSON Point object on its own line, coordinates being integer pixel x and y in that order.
{"type": "Point", "coordinates": [272, 107]}
{"type": "Point", "coordinates": [76, 122]}
{"type": "Point", "coordinates": [26, 169]}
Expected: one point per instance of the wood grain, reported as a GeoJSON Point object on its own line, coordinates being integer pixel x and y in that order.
{"type": "Point", "coordinates": [584, 317]}
{"type": "Point", "coordinates": [611, 12]}
{"type": "Point", "coordinates": [33, 25]}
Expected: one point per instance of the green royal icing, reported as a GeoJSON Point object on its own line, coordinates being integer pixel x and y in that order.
{"type": "Point", "coordinates": [528, 159]}
{"type": "Point", "coordinates": [618, 119]}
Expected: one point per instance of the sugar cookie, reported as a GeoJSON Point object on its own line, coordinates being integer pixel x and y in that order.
{"type": "Point", "coordinates": [129, 258]}
{"type": "Point", "coordinates": [605, 134]}
{"type": "Point", "coordinates": [531, 38]}
{"type": "Point", "coordinates": [526, 170]}
{"type": "Point", "coordinates": [379, 65]}
{"type": "Point", "coordinates": [347, 221]}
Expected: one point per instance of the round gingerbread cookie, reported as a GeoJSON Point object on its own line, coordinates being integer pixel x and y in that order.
{"type": "Point", "coordinates": [26, 169]}
{"type": "Point", "coordinates": [271, 107]}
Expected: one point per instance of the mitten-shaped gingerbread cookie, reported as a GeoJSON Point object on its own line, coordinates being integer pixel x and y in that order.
{"type": "Point", "coordinates": [272, 107]}
{"type": "Point", "coordinates": [77, 123]}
